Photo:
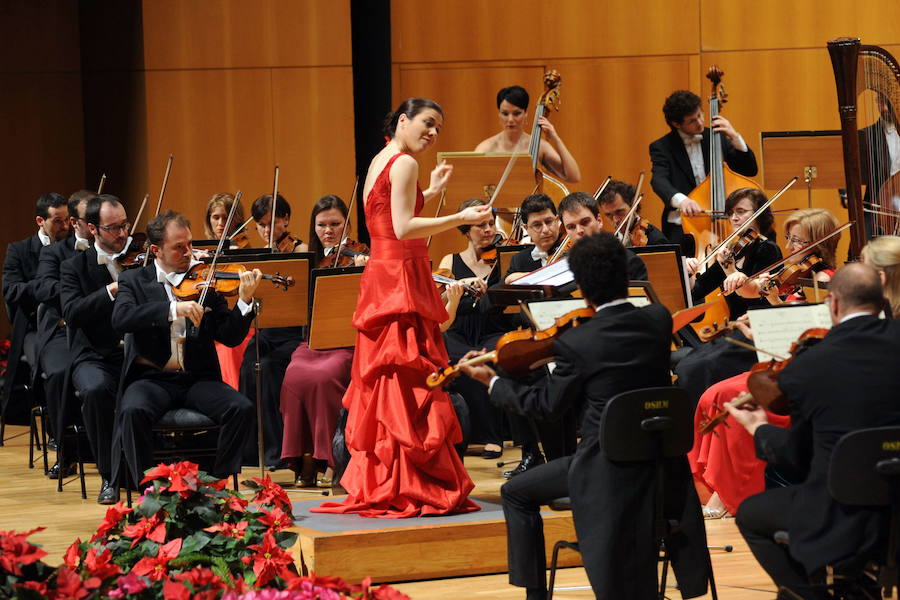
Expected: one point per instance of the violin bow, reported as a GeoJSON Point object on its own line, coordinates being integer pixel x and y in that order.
{"type": "Point", "coordinates": [239, 229]}
{"type": "Point", "coordinates": [503, 178]}
{"type": "Point", "coordinates": [437, 213]}
{"type": "Point", "coordinates": [340, 245]}
{"type": "Point", "coordinates": [628, 218]}
{"type": "Point", "coordinates": [737, 342]}
{"type": "Point", "coordinates": [219, 248]}
{"type": "Point", "coordinates": [140, 212]}
{"type": "Point", "coordinates": [102, 182]}
{"type": "Point", "coordinates": [162, 193]}
{"type": "Point", "coordinates": [602, 187]}
{"type": "Point", "coordinates": [272, 218]}
{"type": "Point", "coordinates": [746, 224]}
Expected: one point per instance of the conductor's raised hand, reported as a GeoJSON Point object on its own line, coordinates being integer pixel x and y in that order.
{"type": "Point", "coordinates": [249, 282]}
{"type": "Point", "coordinates": [440, 175]}
{"type": "Point", "coordinates": [473, 215]}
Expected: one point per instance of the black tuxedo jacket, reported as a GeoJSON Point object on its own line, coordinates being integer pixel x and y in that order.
{"type": "Point", "coordinates": [621, 349]}
{"type": "Point", "coordinates": [672, 171]}
{"type": "Point", "coordinates": [47, 287]}
{"type": "Point", "coordinates": [846, 382]}
{"type": "Point", "coordinates": [142, 308]}
{"type": "Point", "coordinates": [521, 262]}
{"type": "Point", "coordinates": [87, 307]}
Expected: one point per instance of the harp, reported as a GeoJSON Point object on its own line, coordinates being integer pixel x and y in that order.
{"type": "Point", "coordinates": [868, 90]}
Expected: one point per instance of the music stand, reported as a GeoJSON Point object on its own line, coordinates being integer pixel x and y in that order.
{"type": "Point", "coordinates": [665, 270]}
{"type": "Point", "coordinates": [476, 174]}
{"type": "Point", "coordinates": [334, 293]}
{"type": "Point", "coordinates": [284, 308]}
{"type": "Point", "coordinates": [816, 157]}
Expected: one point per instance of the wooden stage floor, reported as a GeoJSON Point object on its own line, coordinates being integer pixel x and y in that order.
{"type": "Point", "coordinates": [28, 500]}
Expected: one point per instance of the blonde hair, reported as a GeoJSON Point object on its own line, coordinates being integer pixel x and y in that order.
{"type": "Point", "coordinates": [817, 222]}
{"type": "Point", "coordinates": [225, 201]}
{"type": "Point", "coordinates": [883, 253]}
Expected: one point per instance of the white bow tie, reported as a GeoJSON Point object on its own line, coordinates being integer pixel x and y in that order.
{"type": "Point", "coordinates": [104, 259]}
{"type": "Point", "coordinates": [172, 278]}
{"type": "Point", "coordinates": [537, 254]}
{"type": "Point", "coordinates": [693, 140]}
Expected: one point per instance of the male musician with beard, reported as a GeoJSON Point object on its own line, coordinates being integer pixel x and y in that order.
{"type": "Point", "coordinates": [879, 151]}
{"type": "Point", "coordinates": [616, 202]}
{"type": "Point", "coordinates": [580, 215]}
{"type": "Point", "coordinates": [19, 285]}
{"type": "Point", "coordinates": [680, 160]}
{"type": "Point", "coordinates": [88, 288]}
{"type": "Point", "coordinates": [167, 366]}
{"type": "Point", "coordinates": [619, 349]}
{"type": "Point", "coordinates": [52, 346]}
{"type": "Point", "coordinates": [862, 349]}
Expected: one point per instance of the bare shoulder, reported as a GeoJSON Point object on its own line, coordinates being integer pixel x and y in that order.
{"type": "Point", "coordinates": [488, 145]}
{"type": "Point", "coordinates": [446, 262]}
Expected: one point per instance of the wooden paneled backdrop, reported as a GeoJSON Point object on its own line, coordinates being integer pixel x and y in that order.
{"type": "Point", "coordinates": [232, 87]}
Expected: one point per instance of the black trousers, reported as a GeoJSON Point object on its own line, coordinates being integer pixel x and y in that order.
{"type": "Point", "coordinates": [54, 361]}
{"type": "Point", "coordinates": [523, 496]}
{"type": "Point", "coordinates": [96, 382]}
{"type": "Point", "coordinates": [149, 397]}
{"type": "Point", "coordinates": [758, 518]}
{"type": "Point", "coordinates": [276, 346]}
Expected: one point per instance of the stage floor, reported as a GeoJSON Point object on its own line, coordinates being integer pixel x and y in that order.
{"type": "Point", "coordinates": [28, 500]}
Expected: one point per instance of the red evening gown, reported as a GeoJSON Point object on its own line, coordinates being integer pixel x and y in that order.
{"type": "Point", "coordinates": [400, 434]}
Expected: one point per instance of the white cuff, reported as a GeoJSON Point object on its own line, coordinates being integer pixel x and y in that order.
{"type": "Point", "coordinates": [173, 312]}
{"type": "Point", "coordinates": [109, 293]}
{"type": "Point", "coordinates": [739, 144]}
{"type": "Point", "coordinates": [492, 382]}
{"type": "Point", "coordinates": [244, 307]}
{"type": "Point", "coordinates": [677, 199]}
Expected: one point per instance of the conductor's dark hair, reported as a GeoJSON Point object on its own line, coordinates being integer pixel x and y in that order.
{"type": "Point", "coordinates": [156, 228]}
{"type": "Point", "coordinates": [326, 202]}
{"type": "Point", "coordinates": [263, 206]}
{"type": "Point", "coordinates": [757, 198]}
{"type": "Point", "coordinates": [573, 201]}
{"type": "Point", "coordinates": [95, 203]}
{"type": "Point", "coordinates": [46, 202]}
{"type": "Point", "coordinates": [76, 199]}
{"type": "Point", "coordinates": [515, 95]}
{"type": "Point", "coordinates": [600, 268]}
{"type": "Point", "coordinates": [618, 187]}
{"type": "Point", "coordinates": [679, 105]}
{"type": "Point", "coordinates": [535, 204]}
{"type": "Point", "coordinates": [409, 107]}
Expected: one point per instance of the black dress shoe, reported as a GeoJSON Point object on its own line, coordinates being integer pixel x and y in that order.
{"type": "Point", "coordinates": [108, 494]}
{"type": "Point", "coordinates": [51, 444]}
{"type": "Point", "coordinates": [491, 454]}
{"type": "Point", "coordinates": [529, 461]}
{"type": "Point", "coordinates": [53, 473]}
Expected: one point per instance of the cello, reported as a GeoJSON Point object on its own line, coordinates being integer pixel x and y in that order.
{"type": "Point", "coordinates": [711, 227]}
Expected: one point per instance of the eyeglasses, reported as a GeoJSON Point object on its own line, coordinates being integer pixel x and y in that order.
{"type": "Point", "coordinates": [116, 228]}
{"type": "Point", "coordinates": [791, 239]}
{"type": "Point", "coordinates": [538, 225]}
{"type": "Point", "coordinates": [739, 213]}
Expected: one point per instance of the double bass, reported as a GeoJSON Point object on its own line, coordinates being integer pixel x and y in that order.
{"type": "Point", "coordinates": [549, 100]}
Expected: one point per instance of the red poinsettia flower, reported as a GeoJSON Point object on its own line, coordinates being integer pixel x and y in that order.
{"type": "Point", "coordinates": [68, 585]}
{"type": "Point", "coordinates": [15, 551]}
{"type": "Point", "coordinates": [37, 586]}
{"type": "Point", "coordinates": [131, 583]}
{"type": "Point", "coordinates": [99, 564]}
{"type": "Point", "coordinates": [175, 590]}
{"type": "Point", "coordinates": [331, 583]}
{"type": "Point", "coordinates": [153, 528]}
{"type": "Point", "coordinates": [183, 477]}
{"type": "Point", "coordinates": [271, 493]}
{"type": "Point", "coordinates": [155, 567]}
{"type": "Point", "coordinates": [113, 518]}
{"type": "Point", "coordinates": [275, 520]}
{"type": "Point", "coordinates": [269, 561]}
{"type": "Point", "coordinates": [73, 554]}
{"type": "Point", "coordinates": [200, 577]}
{"type": "Point", "coordinates": [237, 504]}
{"type": "Point", "coordinates": [229, 530]}
{"type": "Point", "coordinates": [383, 592]}
{"type": "Point", "coordinates": [218, 484]}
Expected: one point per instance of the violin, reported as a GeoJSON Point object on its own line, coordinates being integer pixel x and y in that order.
{"type": "Point", "coordinates": [488, 254]}
{"type": "Point", "coordinates": [789, 277]}
{"type": "Point", "coordinates": [637, 237]}
{"type": "Point", "coordinates": [240, 240]}
{"type": "Point", "coordinates": [740, 247]}
{"type": "Point", "coordinates": [520, 351]}
{"type": "Point", "coordinates": [225, 281]}
{"type": "Point", "coordinates": [444, 277]}
{"type": "Point", "coordinates": [763, 382]}
{"type": "Point", "coordinates": [348, 252]}
{"type": "Point", "coordinates": [136, 253]}
{"type": "Point", "coordinates": [287, 243]}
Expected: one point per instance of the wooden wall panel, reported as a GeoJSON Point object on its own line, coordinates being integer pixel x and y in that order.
{"type": "Point", "coordinates": [39, 36]}
{"type": "Point", "coordinates": [774, 24]}
{"type": "Point", "coordinates": [204, 34]}
{"type": "Point", "coordinates": [536, 29]}
{"type": "Point", "coordinates": [219, 126]}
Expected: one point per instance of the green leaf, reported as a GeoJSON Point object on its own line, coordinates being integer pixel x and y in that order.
{"type": "Point", "coordinates": [286, 539]}
{"type": "Point", "coordinates": [149, 506]}
{"type": "Point", "coordinates": [194, 542]}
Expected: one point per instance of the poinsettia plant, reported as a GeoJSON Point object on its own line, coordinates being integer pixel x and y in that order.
{"type": "Point", "coordinates": [188, 537]}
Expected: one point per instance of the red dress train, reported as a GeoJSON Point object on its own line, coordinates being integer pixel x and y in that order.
{"type": "Point", "coordinates": [400, 434]}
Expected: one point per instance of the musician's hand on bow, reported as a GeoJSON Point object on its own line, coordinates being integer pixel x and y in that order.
{"type": "Point", "coordinates": [440, 175]}
{"type": "Point", "coordinates": [750, 415]}
{"type": "Point", "coordinates": [724, 126]}
{"type": "Point", "coordinates": [480, 373]}
{"type": "Point", "coordinates": [190, 309]}
{"type": "Point", "coordinates": [249, 282]}
{"type": "Point", "coordinates": [692, 265]}
{"type": "Point", "coordinates": [733, 282]}
{"type": "Point", "coordinates": [742, 324]}
{"type": "Point", "coordinates": [690, 208]}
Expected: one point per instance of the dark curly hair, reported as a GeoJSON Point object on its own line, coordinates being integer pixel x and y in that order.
{"type": "Point", "coordinates": [679, 105]}
{"type": "Point", "coordinates": [515, 95]}
{"type": "Point", "coordinates": [618, 187]}
{"type": "Point", "coordinates": [600, 267]}
{"type": "Point", "coordinates": [535, 204]}
{"type": "Point", "coordinates": [571, 203]}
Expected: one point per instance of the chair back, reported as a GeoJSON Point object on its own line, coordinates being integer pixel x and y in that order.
{"type": "Point", "coordinates": [864, 465]}
{"type": "Point", "coordinates": [647, 424]}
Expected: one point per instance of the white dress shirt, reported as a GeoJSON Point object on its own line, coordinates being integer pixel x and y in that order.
{"type": "Point", "coordinates": [45, 239]}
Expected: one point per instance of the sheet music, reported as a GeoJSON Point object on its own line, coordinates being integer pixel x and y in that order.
{"type": "Point", "coordinates": [545, 312]}
{"type": "Point", "coordinates": [556, 274]}
{"type": "Point", "coordinates": [776, 328]}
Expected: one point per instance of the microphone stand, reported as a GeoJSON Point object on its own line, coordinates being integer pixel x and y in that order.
{"type": "Point", "coordinates": [257, 370]}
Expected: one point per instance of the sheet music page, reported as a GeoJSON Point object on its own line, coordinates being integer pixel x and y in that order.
{"type": "Point", "coordinates": [775, 329]}
{"type": "Point", "coordinates": [556, 274]}
{"type": "Point", "coordinates": [545, 312]}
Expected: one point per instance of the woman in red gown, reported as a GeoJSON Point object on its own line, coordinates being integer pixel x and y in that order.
{"type": "Point", "coordinates": [400, 434]}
